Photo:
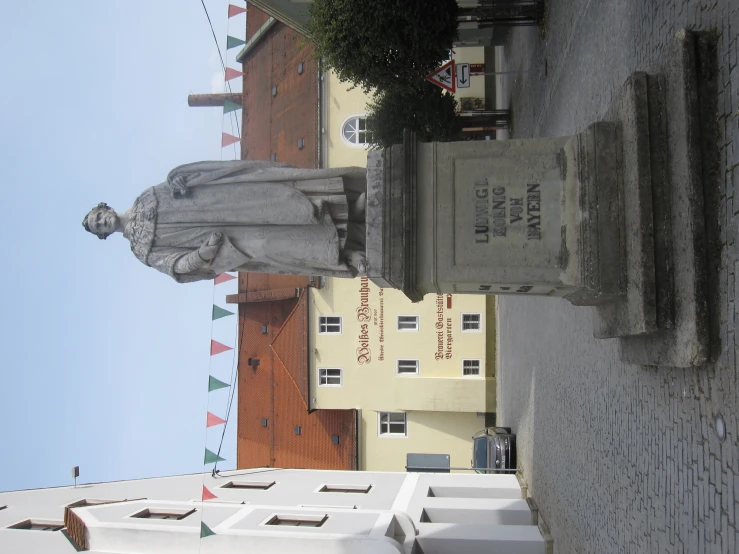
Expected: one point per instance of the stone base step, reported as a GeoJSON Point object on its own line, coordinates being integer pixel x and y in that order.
{"type": "Point", "coordinates": [638, 114]}
{"type": "Point", "coordinates": [663, 319]}
{"type": "Point", "coordinates": [687, 342]}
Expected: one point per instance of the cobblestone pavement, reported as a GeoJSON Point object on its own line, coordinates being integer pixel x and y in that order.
{"type": "Point", "coordinates": [621, 458]}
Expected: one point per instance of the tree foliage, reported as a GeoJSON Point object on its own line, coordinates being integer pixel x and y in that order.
{"type": "Point", "coordinates": [421, 107]}
{"type": "Point", "coordinates": [375, 43]}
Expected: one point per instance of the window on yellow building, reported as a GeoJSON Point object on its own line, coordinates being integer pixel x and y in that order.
{"type": "Point", "coordinates": [354, 130]}
{"type": "Point", "coordinates": [407, 323]}
{"type": "Point", "coordinates": [392, 424]}
{"type": "Point", "coordinates": [330, 377]}
{"type": "Point", "coordinates": [470, 367]}
{"type": "Point", "coordinates": [329, 324]}
{"type": "Point", "coordinates": [406, 367]}
{"type": "Point", "coordinates": [471, 322]}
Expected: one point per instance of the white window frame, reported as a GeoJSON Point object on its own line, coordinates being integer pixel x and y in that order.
{"type": "Point", "coordinates": [345, 489]}
{"type": "Point", "coordinates": [390, 434]}
{"type": "Point", "coordinates": [304, 517]}
{"type": "Point", "coordinates": [30, 523]}
{"type": "Point", "coordinates": [178, 512]}
{"type": "Point", "coordinates": [418, 323]}
{"type": "Point", "coordinates": [479, 322]}
{"type": "Point", "coordinates": [479, 367]}
{"type": "Point", "coordinates": [326, 324]}
{"type": "Point", "coordinates": [249, 485]}
{"type": "Point", "coordinates": [327, 384]}
{"type": "Point", "coordinates": [397, 366]}
{"type": "Point", "coordinates": [346, 122]}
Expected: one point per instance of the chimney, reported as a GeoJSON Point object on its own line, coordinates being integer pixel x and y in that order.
{"type": "Point", "coordinates": [200, 100]}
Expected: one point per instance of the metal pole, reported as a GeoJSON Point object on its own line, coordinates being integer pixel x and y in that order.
{"type": "Point", "coordinates": [447, 469]}
{"type": "Point", "coordinates": [501, 72]}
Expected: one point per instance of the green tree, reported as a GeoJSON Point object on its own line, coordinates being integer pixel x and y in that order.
{"type": "Point", "coordinates": [375, 43]}
{"type": "Point", "coordinates": [421, 107]}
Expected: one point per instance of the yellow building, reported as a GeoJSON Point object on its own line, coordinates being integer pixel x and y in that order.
{"type": "Point", "coordinates": [421, 375]}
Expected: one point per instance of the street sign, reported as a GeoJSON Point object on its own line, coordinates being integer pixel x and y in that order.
{"type": "Point", "coordinates": [463, 75]}
{"type": "Point", "coordinates": [477, 68]}
{"type": "Point", "coordinates": [444, 77]}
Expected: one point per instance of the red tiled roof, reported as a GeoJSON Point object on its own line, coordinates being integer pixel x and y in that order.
{"type": "Point", "coordinates": [290, 347]}
{"type": "Point", "coordinates": [273, 124]}
{"type": "Point", "coordinates": [277, 389]}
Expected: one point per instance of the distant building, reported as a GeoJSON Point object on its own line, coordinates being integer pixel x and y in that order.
{"type": "Point", "coordinates": [275, 511]}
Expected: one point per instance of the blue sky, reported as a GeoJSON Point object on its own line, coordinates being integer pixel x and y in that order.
{"type": "Point", "coordinates": [106, 361]}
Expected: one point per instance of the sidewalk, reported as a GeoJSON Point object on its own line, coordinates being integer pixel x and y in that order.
{"type": "Point", "coordinates": [620, 458]}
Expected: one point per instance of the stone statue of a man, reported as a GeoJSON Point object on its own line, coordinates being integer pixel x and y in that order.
{"type": "Point", "coordinates": [212, 217]}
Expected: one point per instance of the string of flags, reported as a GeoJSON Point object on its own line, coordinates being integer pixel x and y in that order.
{"type": "Point", "coordinates": [214, 384]}
{"type": "Point", "coordinates": [229, 105]}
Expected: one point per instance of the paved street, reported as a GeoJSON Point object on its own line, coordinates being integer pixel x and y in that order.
{"type": "Point", "coordinates": [621, 458]}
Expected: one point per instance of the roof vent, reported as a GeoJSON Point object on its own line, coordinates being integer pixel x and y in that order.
{"type": "Point", "coordinates": [254, 362]}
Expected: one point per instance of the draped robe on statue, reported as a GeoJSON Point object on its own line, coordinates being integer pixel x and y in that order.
{"type": "Point", "coordinates": [274, 218]}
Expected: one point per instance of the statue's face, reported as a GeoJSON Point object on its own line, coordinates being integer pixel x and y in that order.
{"type": "Point", "coordinates": [102, 221]}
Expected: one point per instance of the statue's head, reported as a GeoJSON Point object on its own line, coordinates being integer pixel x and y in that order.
{"type": "Point", "coordinates": [101, 221]}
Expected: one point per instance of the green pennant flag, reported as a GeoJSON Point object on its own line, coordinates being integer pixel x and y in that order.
{"type": "Point", "coordinates": [212, 457]}
{"type": "Point", "coordinates": [229, 106]}
{"type": "Point", "coordinates": [233, 42]}
{"type": "Point", "coordinates": [215, 384]}
{"type": "Point", "coordinates": [205, 531]}
{"type": "Point", "coordinates": [219, 312]}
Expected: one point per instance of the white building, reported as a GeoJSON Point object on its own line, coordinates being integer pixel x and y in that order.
{"type": "Point", "coordinates": [275, 510]}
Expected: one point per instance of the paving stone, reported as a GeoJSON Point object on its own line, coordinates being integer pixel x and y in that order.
{"type": "Point", "coordinates": [619, 458]}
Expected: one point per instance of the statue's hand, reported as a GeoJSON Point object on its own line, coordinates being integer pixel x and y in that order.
{"type": "Point", "coordinates": [179, 186]}
{"type": "Point", "coordinates": [209, 249]}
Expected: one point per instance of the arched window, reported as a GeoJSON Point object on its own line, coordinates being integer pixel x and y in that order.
{"type": "Point", "coordinates": [354, 130]}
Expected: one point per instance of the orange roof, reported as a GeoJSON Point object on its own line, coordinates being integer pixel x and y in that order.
{"type": "Point", "coordinates": [275, 392]}
{"type": "Point", "coordinates": [274, 123]}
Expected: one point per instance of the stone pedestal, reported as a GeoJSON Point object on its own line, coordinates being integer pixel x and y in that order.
{"type": "Point", "coordinates": [602, 218]}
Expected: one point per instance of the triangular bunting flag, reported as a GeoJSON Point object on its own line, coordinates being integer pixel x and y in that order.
{"type": "Point", "coordinates": [207, 495]}
{"type": "Point", "coordinates": [233, 42]}
{"type": "Point", "coordinates": [232, 74]}
{"type": "Point", "coordinates": [216, 347]}
{"type": "Point", "coordinates": [219, 312]}
{"type": "Point", "coordinates": [229, 106]}
{"type": "Point", "coordinates": [205, 531]}
{"type": "Point", "coordinates": [224, 277]}
{"type": "Point", "coordinates": [212, 457]}
{"type": "Point", "coordinates": [215, 384]}
{"type": "Point", "coordinates": [235, 10]}
{"type": "Point", "coordinates": [228, 140]}
{"type": "Point", "coordinates": [213, 419]}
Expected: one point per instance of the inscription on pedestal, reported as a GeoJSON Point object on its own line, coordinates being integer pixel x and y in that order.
{"type": "Point", "coordinates": [494, 211]}
{"type": "Point", "coordinates": [509, 215]}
